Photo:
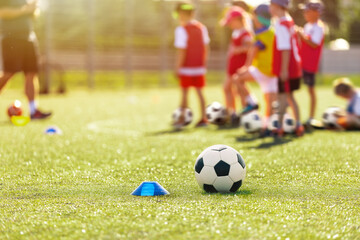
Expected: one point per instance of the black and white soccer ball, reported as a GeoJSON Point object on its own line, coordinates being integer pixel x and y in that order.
{"type": "Point", "coordinates": [331, 116]}
{"type": "Point", "coordinates": [188, 116]}
{"type": "Point", "coordinates": [289, 124]}
{"type": "Point", "coordinates": [251, 122]}
{"type": "Point", "coordinates": [220, 168]}
{"type": "Point", "coordinates": [216, 113]}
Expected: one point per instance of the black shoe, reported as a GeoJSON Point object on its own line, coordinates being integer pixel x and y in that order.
{"type": "Point", "coordinates": [40, 115]}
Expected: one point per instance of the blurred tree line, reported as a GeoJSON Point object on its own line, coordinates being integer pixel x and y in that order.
{"type": "Point", "coordinates": [147, 24]}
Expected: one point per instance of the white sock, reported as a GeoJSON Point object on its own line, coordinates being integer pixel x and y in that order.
{"type": "Point", "coordinates": [32, 107]}
{"type": "Point", "coordinates": [251, 100]}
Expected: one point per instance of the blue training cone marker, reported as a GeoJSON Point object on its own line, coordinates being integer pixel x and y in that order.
{"type": "Point", "coordinates": [150, 189]}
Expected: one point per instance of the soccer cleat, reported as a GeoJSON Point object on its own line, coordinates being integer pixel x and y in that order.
{"type": "Point", "coordinates": [202, 123]}
{"type": "Point", "coordinates": [300, 130]}
{"type": "Point", "coordinates": [249, 108]}
{"type": "Point", "coordinates": [40, 115]}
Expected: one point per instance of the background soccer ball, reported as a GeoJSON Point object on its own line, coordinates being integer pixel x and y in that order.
{"type": "Point", "coordinates": [220, 168]}
{"type": "Point", "coordinates": [251, 122]}
{"type": "Point", "coordinates": [15, 109]}
{"type": "Point", "coordinates": [330, 117]}
{"type": "Point", "coordinates": [288, 125]}
{"type": "Point", "coordinates": [187, 114]}
{"type": "Point", "coordinates": [216, 113]}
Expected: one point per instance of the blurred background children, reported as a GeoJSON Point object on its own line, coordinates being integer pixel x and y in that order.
{"type": "Point", "coordinates": [241, 42]}
{"type": "Point", "coordinates": [344, 88]}
{"type": "Point", "coordinates": [312, 41]}
{"type": "Point", "coordinates": [258, 66]}
{"type": "Point", "coordinates": [286, 62]}
{"type": "Point", "coordinates": [191, 41]}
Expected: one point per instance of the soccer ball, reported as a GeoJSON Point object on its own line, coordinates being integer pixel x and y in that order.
{"type": "Point", "coordinates": [330, 117]}
{"type": "Point", "coordinates": [216, 113]}
{"type": "Point", "coordinates": [288, 125]}
{"type": "Point", "coordinates": [220, 168]}
{"type": "Point", "coordinates": [251, 122]}
{"type": "Point", "coordinates": [15, 109]}
{"type": "Point", "coordinates": [188, 116]}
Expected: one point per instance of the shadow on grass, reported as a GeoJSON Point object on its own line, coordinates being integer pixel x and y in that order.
{"type": "Point", "coordinates": [170, 131]}
{"type": "Point", "coordinates": [247, 138]}
{"type": "Point", "coordinates": [244, 192]}
{"type": "Point", "coordinates": [275, 142]}
{"type": "Point", "coordinates": [227, 127]}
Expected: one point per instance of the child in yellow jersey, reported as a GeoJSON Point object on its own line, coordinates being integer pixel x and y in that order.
{"type": "Point", "coordinates": [258, 66]}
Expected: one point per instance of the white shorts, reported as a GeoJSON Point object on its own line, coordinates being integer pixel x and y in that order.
{"type": "Point", "coordinates": [267, 84]}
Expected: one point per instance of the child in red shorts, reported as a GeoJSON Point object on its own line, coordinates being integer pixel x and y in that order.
{"type": "Point", "coordinates": [241, 42]}
{"type": "Point", "coordinates": [191, 41]}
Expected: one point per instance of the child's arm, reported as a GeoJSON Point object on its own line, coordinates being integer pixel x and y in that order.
{"type": "Point", "coordinates": [307, 39]}
{"type": "Point", "coordinates": [207, 53]}
{"type": "Point", "coordinates": [242, 49]}
{"type": "Point", "coordinates": [180, 59]}
{"type": "Point", "coordinates": [285, 60]}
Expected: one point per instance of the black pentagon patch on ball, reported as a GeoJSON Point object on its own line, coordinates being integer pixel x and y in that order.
{"type": "Point", "coordinates": [219, 150]}
{"type": "Point", "coordinates": [199, 165]}
{"type": "Point", "coordinates": [208, 116]}
{"type": "Point", "coordinates": [289, 122]}
{"type": "Point", "coordinates": [247, 125]}
{"type": "Point", "coordinates": [276, 124]}
{"type": "Point", "coordinates": [256, 117]}
{"type": "Point", "coordinates": [240, 160]}
{"type": "Point", "coordinates": [325, 116]}
{"type": "Point", "coordinates": [218, 121]}
{"type": "Point", "coordinates": [236, 186]}
{"type": "Point", "coordinates": [209, 188]}
{"type": "Point", "coordinates": [215, 109]}
{"type": "Point", "coordinates": [190, 114]}
{"type": "Point", "coordinates": [222, 169]}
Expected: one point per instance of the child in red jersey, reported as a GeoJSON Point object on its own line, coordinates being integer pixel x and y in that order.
{"type": "Point", "coordinates": [312, 41]}
{"type": "Point", "coordinates": [286, 62]}
{"type": "Point", "coordinates": [191, 41]}
{"type": "Point", "coordinates": [241, 42]}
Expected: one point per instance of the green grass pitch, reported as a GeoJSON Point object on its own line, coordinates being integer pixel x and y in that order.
{"type": "Point", "coordinates": [78, 185]}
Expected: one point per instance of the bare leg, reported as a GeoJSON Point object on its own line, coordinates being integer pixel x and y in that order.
{"type": "Point", "coordinates": [243, 91]}
{"type": "Point", "coordinates": [312, 101]}
{"type": "Point", "coordinates": [229, 95]}
{"type": "Point", "coordinates": [269, 99]}
{"type": "Point", "coordinates": [294, 106]}
{"type": "Point", "coordinates": [202, 102]}
{"type": "Point", "coordinates": [184, 98]}
{"type": "Point", "coordinates": [31, 85]}
{"type": "Point", "coordinates": [282, 107]}
{"type": "Point", "coordinates": [4, 79]}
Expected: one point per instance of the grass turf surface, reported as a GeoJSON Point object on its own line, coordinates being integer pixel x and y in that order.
{"type": "Point", "coordinates": [78, 185]}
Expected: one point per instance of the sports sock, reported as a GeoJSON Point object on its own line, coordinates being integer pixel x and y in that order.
{"type": "Point", "coordinates": [32, 107]}
{"type": "Point", "coordinates": [251, 100]}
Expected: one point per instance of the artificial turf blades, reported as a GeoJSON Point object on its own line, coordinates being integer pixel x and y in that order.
{"type": "Point", "coordinates": [78, 185]}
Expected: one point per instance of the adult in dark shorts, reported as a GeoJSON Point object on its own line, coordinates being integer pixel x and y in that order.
{"type": "Point", "coordinates": [19, 48]}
